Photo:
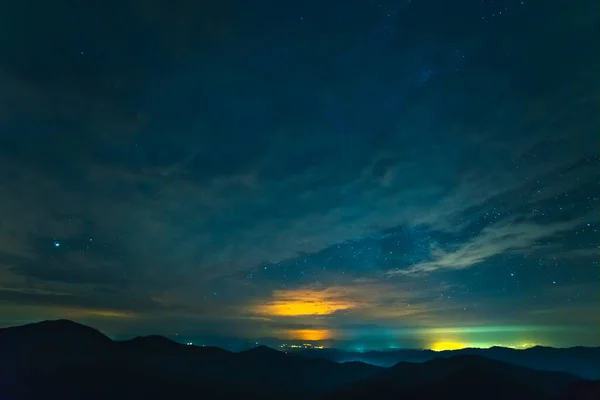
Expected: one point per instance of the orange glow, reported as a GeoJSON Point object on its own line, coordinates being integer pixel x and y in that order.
{"type": "Point", "coordinates": [442, 346]}
{"type": "Point", "coordinates": [292, 303]}
{"type": "Point", "coordinates": [308, 334]}
{"type": "Point", "coordinates": [292, 309]}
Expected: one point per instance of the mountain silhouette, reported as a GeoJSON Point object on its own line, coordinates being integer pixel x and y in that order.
{"type": "Point", "coordinates": [582, 390]}
{"type": "Point", "coordinates": [154, 341]}
{"type": "Point", "coordinates": [69, 359]}
{"type": "Point", "coordinates": [46, 342]}
{"type": "Point", "coordinates": [468, 383]}
{"type": "Point", "coordinates": [65, 360]}
{"type": "Point", "coordinates": [581, 361]}
{"type": "Point", "coordinates": [462, 375]}
{"type": "Point", "coordinates": [262, 352]}
{"type": "Point", "coordinates": [58, 333]}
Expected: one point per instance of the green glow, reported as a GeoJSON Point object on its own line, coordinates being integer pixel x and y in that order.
{"type": "Point", "coordinates": [451, 345]}
{"type": "Point", "coordinates": [512, 336]}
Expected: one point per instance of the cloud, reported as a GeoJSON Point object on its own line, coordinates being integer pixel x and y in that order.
{"type": "Point", "coordinates": [363, 300]}
{"type": "Point", "coordinates": [206, 217]}
{"type": "Point", "coordinates": [198, 193]}
{"type": "Point", "coordinates": [100, 301]}
{"type": "Point", "coordinates": [70, 269]}
{"type": "Point", "coordinates": [301, 302]}
{"type": "Point", "coordinates": [513, 234]}
{"type": "Point", "coordinates": [306, 334]}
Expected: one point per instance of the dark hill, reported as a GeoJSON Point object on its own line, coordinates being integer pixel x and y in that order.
{"type": "Point", "coordinates": [581, 361]}
{"type": "Point", "coordinates": [583, 390]}
{"type": "Point", "coordinates": [262, 352]}
{"type": "Point", "coordinates": [57, 332]}
{"type": "Point", "coordinates": [66, 360]}
{"type": "Point", "coordinates": [50, 340]}
{"type": "Point", "coordinates": [70, 360]}
{"type": "Point", "coordinates": [464, 377]}
{"type": "Point", "coordinates": [154, 341]}
{"type": "Point", "coordinates": [441, 368]}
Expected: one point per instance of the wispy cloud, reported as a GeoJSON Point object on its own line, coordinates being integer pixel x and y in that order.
{"type": "Point", "coordinates": [199, 194]}
{"type": "Point", "coordinates": [510, 235]}
{"type": "Point", "coordinates": [365, 300]}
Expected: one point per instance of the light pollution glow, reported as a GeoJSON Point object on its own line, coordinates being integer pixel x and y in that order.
{"type": "Point", "coordinates": [303, 302]}
{"type": "Point", "coordinates": [311, 335]}
{"type": "Point", "coordinates": [444, 346]}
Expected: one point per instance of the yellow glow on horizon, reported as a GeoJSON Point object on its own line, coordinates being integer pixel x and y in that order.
{"type": "Point", "coordinates": [455, 345]}
{"type": "Point", "coordinates": [443, 346]}
{"type": "Point", "coordinates": [299, 302]}
{"type": "Point", "coordinates": [312, 335]}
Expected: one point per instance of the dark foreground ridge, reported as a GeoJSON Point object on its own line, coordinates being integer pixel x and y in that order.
{"type": "Point", "coordinates": [65, 360]}
{"type": "Point", "coordinates": [580, 361]}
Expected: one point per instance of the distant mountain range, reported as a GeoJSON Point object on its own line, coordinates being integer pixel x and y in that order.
{"type": "Point", "coordinates": [65, 360]}
{"type": "Point", "coordinates": [582, 361]}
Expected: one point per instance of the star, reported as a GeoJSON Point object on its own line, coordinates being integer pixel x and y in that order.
{"type": "Point", "coordinates": [353, 174]}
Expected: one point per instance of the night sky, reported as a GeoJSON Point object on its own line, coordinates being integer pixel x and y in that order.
{"type": "Point", "coordinates": [369, 173]}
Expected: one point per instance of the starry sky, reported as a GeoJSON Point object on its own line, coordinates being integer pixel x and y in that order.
{"type": "Point", "coordinates": [393, 173]}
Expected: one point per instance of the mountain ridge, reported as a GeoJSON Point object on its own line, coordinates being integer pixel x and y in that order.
{"type": "Point", "coordinates": [71, 359]}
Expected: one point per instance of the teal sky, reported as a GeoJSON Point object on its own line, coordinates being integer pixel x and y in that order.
{"type": "Point", "coordinates": [370, 173]}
